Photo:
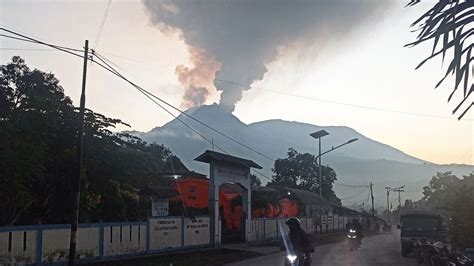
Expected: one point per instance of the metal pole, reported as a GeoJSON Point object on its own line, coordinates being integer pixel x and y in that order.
{"type": "Point", "coordinates": [388, 205]}
{"type": "Point", "coordinates": [372, 197]}
{"type": "Point", "coordinates": [79, 154]}
{"type": "Point", "coordinates": [320, 172]}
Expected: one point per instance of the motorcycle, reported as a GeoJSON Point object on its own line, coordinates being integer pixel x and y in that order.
{"type": "Point", "coordinates": [422, 249]}
{"type": "Point", "coordinates": [299, 259]}
{"type": "Point", "coordinates": [354, 240]}
{"type": "Point", "coordinates": [460, 260]}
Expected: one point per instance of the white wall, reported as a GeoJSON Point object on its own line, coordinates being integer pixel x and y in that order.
{"type": "Point", "coordinates": [196, 231]}
{"type": "Point", "coordinates": [165, 233]}
{"type": "Point", "coordinates": [21, 251]}
{"type": "Point", "coordinates": [117, 239]}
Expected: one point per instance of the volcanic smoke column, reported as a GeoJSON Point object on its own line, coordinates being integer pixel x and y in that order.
{"type": "Point", "coordinates": [197, 81]}
{"type": "Point", "coordinates": [244, 35]}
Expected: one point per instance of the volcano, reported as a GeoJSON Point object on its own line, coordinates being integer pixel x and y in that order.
{"type": "Point", "coordinates": [359, 163]}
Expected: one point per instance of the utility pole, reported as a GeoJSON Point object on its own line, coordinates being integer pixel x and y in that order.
{"type": "Point", "coordinates": [388, 204]}
{"type": "Point", "coordinates": [372, 197]}
{"type": "Point", "coordinates": [79, 154]}
{"type": "Point", "coordinates": [399, 190]}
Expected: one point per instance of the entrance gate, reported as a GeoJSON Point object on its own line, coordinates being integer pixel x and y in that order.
{"type": "Point", "coordinates": [228, 169]}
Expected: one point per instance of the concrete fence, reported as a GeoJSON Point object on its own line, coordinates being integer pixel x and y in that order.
{"type": "Point", "coordinates": [48, 244]}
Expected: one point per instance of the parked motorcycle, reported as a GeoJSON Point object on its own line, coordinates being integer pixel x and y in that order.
{"type": "Point", "coordinates": [353, 238]}
{"type": "Point", "coordinates": [460, 260]}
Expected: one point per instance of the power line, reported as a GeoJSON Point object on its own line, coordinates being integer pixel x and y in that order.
{"type": "Point", "coordinates": [29, 39]}
{"type": "Point", "coordinates": [27, 49]}
{"type": "Point", "coordinates": [314, 98]}
{"type": "Point", "coordinates": [148, 94]}
{"type": "Point", "coordinates": [102, 24]}
{"type": "Point", "coordinates": [353, 186]}
{"type": "Point", "coordinates": [195, 119]}
{"type": "Point", "coordinates": [327, 101]}
{"type": "Point", "coordinates": [143, 91]}
{"type": "Point", "coordinates": [161, 106]}
{"type": "Point", "coordinates": [362, 191]}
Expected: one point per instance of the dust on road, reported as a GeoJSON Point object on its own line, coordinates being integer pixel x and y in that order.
{"type": "Point", "coordinates": [379, 250]}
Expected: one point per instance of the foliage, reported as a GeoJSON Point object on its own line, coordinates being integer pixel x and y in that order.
{"type": "Point", "coordinates": [300, 170]}
{"type": "Point", "coordinates": [451, 21]}
{"type": "Point", "coordinates": [255, 181]}
{"type": "Point", "coordinates": [38, 133]}
{"type": "Point", "coordinates": [454, 198]}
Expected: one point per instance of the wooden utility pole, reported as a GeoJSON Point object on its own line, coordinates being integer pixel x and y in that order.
{"type": "Point", "coordinates": [372, 197]}
{"type": "Point", "coordinates": [79, 154]}
{"type": "Point", "coordinates": [399, 190]}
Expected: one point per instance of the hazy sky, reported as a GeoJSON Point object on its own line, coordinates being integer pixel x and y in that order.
{"type": "Point", "coordinates": [366, 65]}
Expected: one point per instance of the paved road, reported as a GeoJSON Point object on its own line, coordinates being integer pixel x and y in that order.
{"type": "Point", "coordinates": [379, 250]}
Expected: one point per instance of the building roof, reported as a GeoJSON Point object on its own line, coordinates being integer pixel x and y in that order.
{"type": "Point", "coordinates": [159, 191]}
{"type": "Point", "coordinates": [308, 198]}
{"type": "Point", "coordinates": [174, 166]}
{"type": "Point", "coordinates": [209, 156]}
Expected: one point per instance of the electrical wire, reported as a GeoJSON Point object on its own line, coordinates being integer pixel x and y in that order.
{"type": "Point", "coordinates": [141, 90]}
{"type": "Point", "coordinates": [102, 24]}
{"type": "Point", "coordinates": [352, 186]}
{"type": "Point", "coordinates": [355, 194]}
{"type": "Point", "coordinates": [313, 98]}
{"type": "Point", "coordinates": [29, 39]}
{"type": "Point", "coordinates": [193, 118]}
{"type": "Point", "coordinates": [27, 49]}
{"type": "Point", "coordinates": [150, 96]}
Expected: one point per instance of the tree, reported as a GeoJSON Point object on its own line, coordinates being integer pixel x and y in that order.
{"type": "Point", "coordinates": [301, 171]}
{"type": "Point", "coordinates": [38, 133]}
{"type": "Point", "coordinates": [454, 198]}
{"type": "Point", "coordinates": [255, 181]}
{"type": "Point", "coordinates": [451, 21]}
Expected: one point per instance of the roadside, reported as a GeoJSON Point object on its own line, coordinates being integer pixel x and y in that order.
{"type": "Point", "coordinates": [226, 254]}
{"type": "Point", "coordinates": [381, 249]}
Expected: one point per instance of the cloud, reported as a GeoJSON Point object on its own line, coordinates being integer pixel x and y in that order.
{"type": "Point", "coordinates": [244, 35]}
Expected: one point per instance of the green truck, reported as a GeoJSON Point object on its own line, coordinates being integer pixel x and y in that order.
{"type": "Point", "coordinates": [419, 225]}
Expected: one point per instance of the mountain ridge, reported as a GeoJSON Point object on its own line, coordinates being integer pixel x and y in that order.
{"type": "Point", "coordinates": [365, 160]}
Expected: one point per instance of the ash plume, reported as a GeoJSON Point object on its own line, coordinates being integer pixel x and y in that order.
{"type": "Point", "coordinates": [197, 81]}
{"type": "Point", "coordinates": [243, 35]}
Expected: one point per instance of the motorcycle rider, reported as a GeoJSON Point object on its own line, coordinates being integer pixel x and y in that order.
{"type": "Point", "coordinates": [358, 227]}
{"type": "Point", "coordinates": [299, 239]}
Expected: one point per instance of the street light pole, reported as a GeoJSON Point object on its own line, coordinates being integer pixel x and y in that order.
{"type": "Point", "coordinates": [388, 204]}
{"type": "Point", "coordinates": [320, 170]}
{"type": "Point", "coordinates": [318, 135]}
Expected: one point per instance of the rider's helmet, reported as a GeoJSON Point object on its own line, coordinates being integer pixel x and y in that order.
{"type": "Point", "coordinates": [293, 222]}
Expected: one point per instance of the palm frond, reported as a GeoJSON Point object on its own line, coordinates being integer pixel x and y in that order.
{"type": "Point", "coordinates": [445, 25]}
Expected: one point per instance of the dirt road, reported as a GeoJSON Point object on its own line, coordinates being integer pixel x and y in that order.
{"type": "Point", "coordinates": [379, 250]}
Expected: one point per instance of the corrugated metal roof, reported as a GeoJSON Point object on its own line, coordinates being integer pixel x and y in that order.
{"type": "Point", "coordinates": [308, 198]}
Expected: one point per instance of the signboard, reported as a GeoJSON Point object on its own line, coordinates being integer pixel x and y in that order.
{"type": "Point", "coordinates": [165, 233]}
{"type": "Point", "coordinates": [159, 207]}
{"type": "Point", "coordinates": [196, 231]}
{"type": "Point", "coordinates": [233, 174]}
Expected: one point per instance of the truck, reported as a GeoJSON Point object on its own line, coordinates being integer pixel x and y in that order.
{"type": "Point", "coordinates": [419, 225]}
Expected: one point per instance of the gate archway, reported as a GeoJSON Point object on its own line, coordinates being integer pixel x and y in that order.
{"type": "Point", "coordinates": [227, 169]}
